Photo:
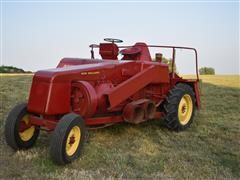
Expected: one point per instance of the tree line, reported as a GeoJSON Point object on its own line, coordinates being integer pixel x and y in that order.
{"type": "Point", "coordinates": [12, 69]}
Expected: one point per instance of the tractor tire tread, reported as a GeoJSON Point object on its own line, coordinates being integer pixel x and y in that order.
{"type": "Point", "coordinates": [60, 134]}
{"type": "Point", "coordinates": [170, 106]}
{"type": "Point", "coordinates": [10, 128]}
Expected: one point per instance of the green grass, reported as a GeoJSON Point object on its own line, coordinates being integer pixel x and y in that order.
{"type": "Point", "coordinates": [209, 149]}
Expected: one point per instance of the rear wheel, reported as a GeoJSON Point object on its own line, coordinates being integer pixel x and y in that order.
{"type": "Point", "coordinates": [68, 138]}
{"type": "Point", "coordinates": [179, 107]}
{"type": "Point", "coordinates": [19, 133]}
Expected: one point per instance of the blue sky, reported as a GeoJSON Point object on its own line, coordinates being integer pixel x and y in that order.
{"type": "Point", "coordinates": [37, 35]}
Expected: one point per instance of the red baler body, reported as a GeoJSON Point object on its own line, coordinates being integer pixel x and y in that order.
{"type": "Point", "coordinates": [99, 90]}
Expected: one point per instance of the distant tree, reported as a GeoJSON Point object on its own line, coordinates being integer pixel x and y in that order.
{"type": "Point", "coordinates": [206, 71]}
{"type": "Point", "coordinates": [10, 69]}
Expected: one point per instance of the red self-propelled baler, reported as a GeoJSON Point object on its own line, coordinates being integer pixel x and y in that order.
{"type": "Point", "coordinates": [101, 92]}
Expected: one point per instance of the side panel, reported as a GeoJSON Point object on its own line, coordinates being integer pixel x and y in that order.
{"type": "Point", "coordinates": [58, 101]}
{"type": "Point", "coordinates": [38, 97]}
{"type": "Point", "coordinates": [197, 94]}
{"type": "Point", "coordinates": [49, 98]}
{"type": "Point", "coordinates": [152, 74]}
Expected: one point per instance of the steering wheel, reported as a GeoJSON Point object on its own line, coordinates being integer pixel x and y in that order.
{"type": "Point", "coordinates": [112, 40]}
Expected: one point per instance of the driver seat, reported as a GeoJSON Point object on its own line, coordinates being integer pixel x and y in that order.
{"type": "Point", "coordinates": [108, 51]}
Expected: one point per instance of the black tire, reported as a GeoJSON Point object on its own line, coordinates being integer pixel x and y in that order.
{"type": "Point", "coordinates": [12, 125]}
{"type": "Point", "coordinates": [60, 137]}
{"type": "Point", "coordinates": [173, 120]}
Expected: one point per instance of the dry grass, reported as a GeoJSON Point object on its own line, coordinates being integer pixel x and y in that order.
{"type": "Point", "coordinates": [15, 74]}
{"type": "Point", "coordinates": [220, 80]}
{"type": "Point", "coordinates": [209, 149]}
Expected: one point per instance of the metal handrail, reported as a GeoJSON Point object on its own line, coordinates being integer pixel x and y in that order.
{"type": "Point", "coordinates": [173, 54]}
{"type": "Point", "coordinates": [164, 46]}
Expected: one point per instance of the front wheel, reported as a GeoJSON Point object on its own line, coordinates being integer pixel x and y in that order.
{"type": "Point", "coordinates": [179, 107]}
{"type": "Point", "coordinates": [68, 138]}
{"type": "Point", "coordinates": [19, 133]}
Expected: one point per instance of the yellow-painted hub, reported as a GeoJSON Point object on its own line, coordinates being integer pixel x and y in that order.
{"type": "Point", "coordinates": [73, 140]}
{"type": "Point", "coordinates": [28, 133]}
{"type": "Point", "coordinates": [185, 109]}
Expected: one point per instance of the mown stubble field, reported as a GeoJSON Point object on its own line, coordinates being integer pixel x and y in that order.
{"type": "Point", "coordinates": [209, 149]}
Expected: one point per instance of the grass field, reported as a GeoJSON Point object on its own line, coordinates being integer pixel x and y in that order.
{"type": "Point", "coordinates": [209, 149]}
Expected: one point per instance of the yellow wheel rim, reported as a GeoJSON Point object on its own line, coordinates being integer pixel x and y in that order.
{"type": "Point", "coordinates": [28, 133]}
{"type": "Point", "coordinates": [73, 140]}
{"type": "Point", "coordinates": [185, 109]}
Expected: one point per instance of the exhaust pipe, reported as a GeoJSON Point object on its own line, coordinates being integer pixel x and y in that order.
{"type": "Point", "coordinates": [133, 113]}
{"type": "Point", "coordinates": [149, 109]}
